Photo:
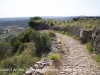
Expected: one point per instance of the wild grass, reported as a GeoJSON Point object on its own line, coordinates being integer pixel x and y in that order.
{"type": "Point", "coordinates": [98, 58]}
{"type": "Point", "coordinates": [54, 57]}
{"type": "Point", "coordinates": [75, 37]}
{"type": "Point", "coordinates": [52, 34]}
{"type": "Point", "coordinates": [67, 33]}
{"type": "Point", "coordinates": [62, 32]}
{"type": "Point", "coordinates": [89, 47]}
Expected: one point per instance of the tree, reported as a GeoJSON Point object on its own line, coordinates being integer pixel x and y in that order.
{"type": "Point", "coordinates": [42, 42]}
{"type": "Point", "coordinates": [36, 18]}
{"type": "Point", "coordinates": [17, 45]}
{"type": "Point", "coordinates": [34, 23]}
{"type": "Point", "coordinates": [5, 50]}
{"type": "Point", "coordinates": [24, 37]}
{"type": "Point", "coordinates": [75, 19]}
{"type": "Point", "coordinates": [13, 39]}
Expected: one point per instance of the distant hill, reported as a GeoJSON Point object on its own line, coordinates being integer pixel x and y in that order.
{"type": "Point", "coordinates": [44, 17]}
{"type": "Point", "coordinates": [61, 17]}
{"type": "Point", "coordinates": [13, 19]}
{"type": "Point", "coordinates": [23, 22]}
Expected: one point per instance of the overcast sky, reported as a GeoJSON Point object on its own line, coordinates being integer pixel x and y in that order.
{"type": "Point", "coordinates": [29, 8]}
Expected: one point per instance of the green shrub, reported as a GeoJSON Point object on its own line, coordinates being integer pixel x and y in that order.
{"type": "Point", "coordinates": [24, 37]}
{"type": "Point", "coordinates": [34, 23]}
{"type": "Point", "coordinates": [52, 34]}
{"type": "Point", "coordinates": [5, 50]}
{"type": "Point", "coordinates": [55, 57]}
{"type": "Point", "coordinates": [89, 47]}
{"type": "Point", "coordinates": [8, 63]}
{"type": "Point", "coordinates": [22, 48]}
{"type": "Point", "coordinates": [62, 32]}
{"type": "Point", "coordinates": [75, 37]}
{"type": "Point", "coordinates": [42, 42]}
{"type": "Point", "coordinates": [23, 61]}
{"type": "Point", "coordinates": [98, 58]}
{"type": "Point", "coordinates": [67, 33]}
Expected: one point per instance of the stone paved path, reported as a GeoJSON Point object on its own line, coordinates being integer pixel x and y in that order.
{"type": "Point", "coordinates": [76, 60]}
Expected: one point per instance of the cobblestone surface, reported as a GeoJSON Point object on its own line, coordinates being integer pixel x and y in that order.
{"type": "Point", "coordinates": [76, 60]}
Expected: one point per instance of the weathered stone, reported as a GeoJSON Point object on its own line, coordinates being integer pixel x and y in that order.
{"type": "Point", "coordinates": [58, 44]}
{"type": "Point", "coordinates": [43, 59]}
{"type": "Point", "coordinates": [58, 41]}
{"type": "Point", "coordinates": [96, 41]}
{"type": "Point", "coordinates": [30, 71]}
{"type": "Point", "coordinates": [39, 62]}
{"type": "Point", "coordinates": [40, 72]}
{"type": "Point", "coordinates": [35, 66]}
{"type": "Point", "coordinates": [49, 63]}
{"type": "Point", "coordinates": [44, 64]}
{"type": "Point", "coordinates": [85, 35]}
{"type": "Point", "coordinates": [58, 47]}
{"type": "Point", "coordinates": [75, 73]}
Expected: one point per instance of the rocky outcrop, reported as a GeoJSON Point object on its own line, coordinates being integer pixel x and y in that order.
{"type": "Point", "coordinates": [96, 41]}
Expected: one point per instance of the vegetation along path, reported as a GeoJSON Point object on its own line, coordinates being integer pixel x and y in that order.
{"type": "Point", "coordinates": [76, 60]}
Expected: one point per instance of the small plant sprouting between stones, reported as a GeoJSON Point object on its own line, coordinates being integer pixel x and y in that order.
{"type": "Point", "coordinates": [55, 57]}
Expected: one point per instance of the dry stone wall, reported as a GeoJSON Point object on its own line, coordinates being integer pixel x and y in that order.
{"type": "Point", "coordinates": [96, 41]}
{"type": "Point", "coordinates": [83, 34]}
{"type": "Point", "coordinates": [73, 30]}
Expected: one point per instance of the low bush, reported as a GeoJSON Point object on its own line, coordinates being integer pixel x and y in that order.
{"type": "Point", "coordinates": [62, 32]}
{"type": "Point", "coordinates": [67, 33]}
{"type": "Point", "coordinates": [75, 37]}
{"type": "Point", "coordinates": [52, 34]}
{"type": "Point", "coordinates": [23, 61]}
{"type": "Point", "coordinates": [5, 50]}
{"type": "Point", "coordinates": [42, 41]}
{"type": "Point", "coordinates": [55, 57]}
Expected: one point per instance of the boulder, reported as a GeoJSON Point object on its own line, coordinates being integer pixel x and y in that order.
{"type": "Point", "coordinates": [35, 66]}
{"type": "Point", "coordinates": [30, 71]}
{"type": "Point", "coordinates": [85, 35]}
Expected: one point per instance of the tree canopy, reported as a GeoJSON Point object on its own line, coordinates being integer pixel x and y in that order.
{"type": "Point", "coordinates": [36, 18]}
{"type": "Point", "coordinates": [34, 22]}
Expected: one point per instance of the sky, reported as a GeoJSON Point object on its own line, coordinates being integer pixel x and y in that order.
{"type": "Point", "coordinates": [30, 8]}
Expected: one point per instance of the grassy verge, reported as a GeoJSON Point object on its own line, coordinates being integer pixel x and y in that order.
{"type": "Point", "coordinates": [98, 58]}
{"type": "Point", "coordinates": [90, 50]}
{"type": "Point", "coordinates": [89, 47]}
{"type": "Point", "coordinates": [75, 37]}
